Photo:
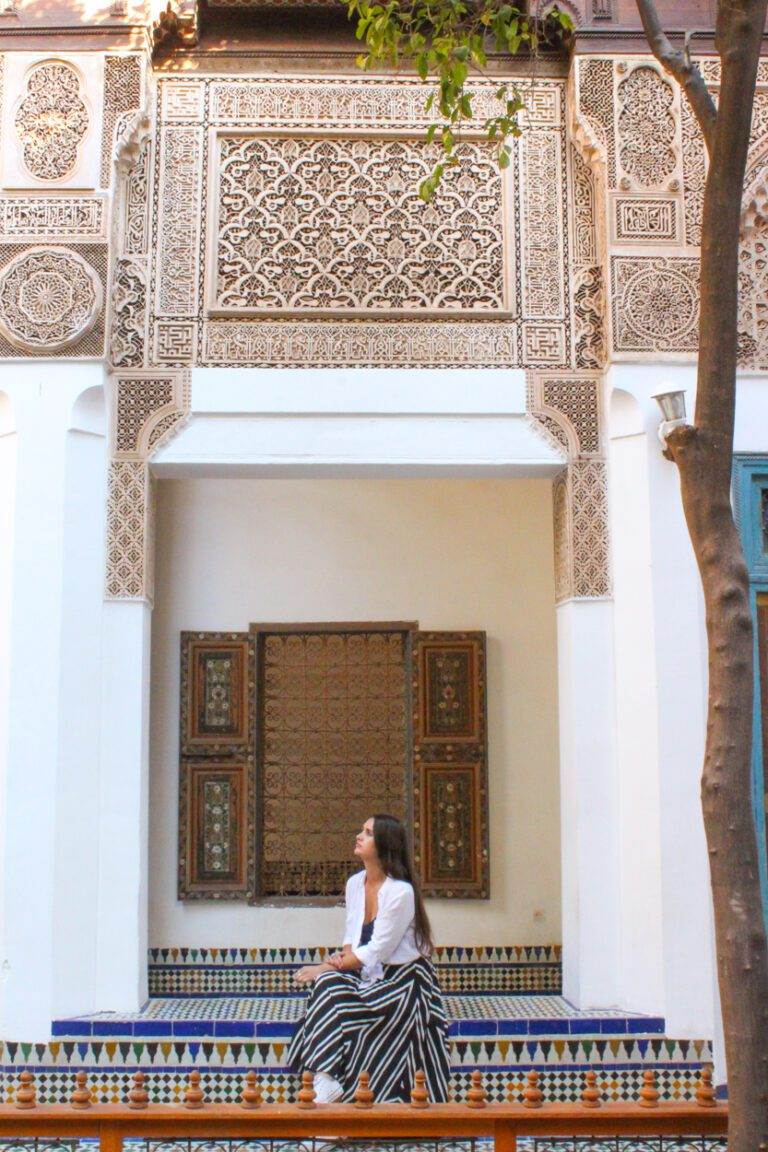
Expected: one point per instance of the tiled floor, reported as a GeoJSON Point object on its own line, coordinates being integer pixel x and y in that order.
{"type": "Point", "coordinates": [264, 1016]}
{"type": "Point", "coordinates": [290, 1008]}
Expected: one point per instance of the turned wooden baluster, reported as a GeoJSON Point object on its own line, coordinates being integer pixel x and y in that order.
{"type": "Point", "coordinates": [81, 1097]}
{"type": "Point", "coordinates": [532, 1094]}
{"type": "Point", "coordinates": [306, 1096]}
{"type": "Point", "coordinates": [138, 1097]}
{"type": "Point", "coordinates": [251, 1095]}
{"type": "Point", "coordinates": [649, 1096]}
{"type": "Point", "coordinates": [705, 1093]}
{"type": "Point", "coordinates": [590, 1097]}
{"type": "Point", "coordinates": [193, 1097]}
{"type": "Point", "coordinates": [419, 1094]}
{"type": "Point", "coordinates": [477, 1095]}
{"type": "Point", "coordinates": [363, 1094]}
{"type": "Point", "coordinates": [26, 1096]}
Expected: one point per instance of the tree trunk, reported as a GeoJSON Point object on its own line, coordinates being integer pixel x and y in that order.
{"type": "Point", "coordinates": [742, 959]}
{"type": "Point", "coordinates": [703, 454]}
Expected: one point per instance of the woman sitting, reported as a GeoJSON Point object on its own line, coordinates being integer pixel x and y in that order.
{"type": "Point", "coordinates": [376, 1006]}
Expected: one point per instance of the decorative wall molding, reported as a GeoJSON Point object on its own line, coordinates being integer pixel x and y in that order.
{"type": "Point", "coordinates": [32, 217]}
{"type": "Point", "coordinates": [51, 120]}
{"type": "Point", "coordinates": [130, 296]}
{"type": "Point", "coordinates": [654, 303]}
{"type": "Point", "coordinates": [640, 143]}
{"type": "Point", "coordinates": [50, 299]}
{"type": "Point", "coordinates": [568, 408]}
{"type": "Point", "coordinates": [148, 409]}
{"type": "Point", "coordinates": [582, 551]}
{"type": "Point", "coordinates": [123, 94]}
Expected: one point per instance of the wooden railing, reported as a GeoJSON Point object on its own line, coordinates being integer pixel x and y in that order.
{"type": "Point", "coordinates": [196, 1119]}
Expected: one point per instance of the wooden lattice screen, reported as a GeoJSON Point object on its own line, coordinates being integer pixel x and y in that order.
{"type": "Point", "coordinates": [291, 735]}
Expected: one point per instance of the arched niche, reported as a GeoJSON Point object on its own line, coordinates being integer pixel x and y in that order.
{"type": "Point", "coordinates": [7, 415]}
{"type": "Point", "coordinates": [89, 412]}
{"type": "Point", "coordinates": [625, 416]}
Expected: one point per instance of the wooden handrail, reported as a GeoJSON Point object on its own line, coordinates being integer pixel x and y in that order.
{"type": "Point", "coordinates": [114, 1122]}
{"type": "Point", "coordinates": [195, 1119]}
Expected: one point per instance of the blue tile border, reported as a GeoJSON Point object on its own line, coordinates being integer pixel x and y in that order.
{"type": "Point", "coordinates": [543, 1027]}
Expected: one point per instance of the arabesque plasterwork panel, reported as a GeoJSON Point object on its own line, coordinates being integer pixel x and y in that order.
{"type": "Point", "coordinates": [62, 119]}
{"type": "Point", "coordinates": [261, 258]}
{"type": "Point", "coordinates": [313, 226]}
{"type": "Point", "coordinates": [568, 410]}
{"type": "Point", "coordinates": [636, 135]}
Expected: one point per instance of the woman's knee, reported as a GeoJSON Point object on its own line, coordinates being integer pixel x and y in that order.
{"type": "Point", "coordinates": [327, 981]}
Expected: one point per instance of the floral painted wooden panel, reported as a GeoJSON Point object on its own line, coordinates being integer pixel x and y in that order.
{"type": "Point", "coordinates": [450, 776]}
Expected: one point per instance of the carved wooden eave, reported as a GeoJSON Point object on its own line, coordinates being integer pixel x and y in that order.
{"type": "Point", "coordinates": [177, 26]}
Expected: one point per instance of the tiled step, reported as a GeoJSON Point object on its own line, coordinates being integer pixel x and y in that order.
{"type": "Point", "coordinates": [270, 971]}
{"type": "Point", "coordinates": [224, 1012]}
{"type": "Point", "coordinates": [267, 1017]}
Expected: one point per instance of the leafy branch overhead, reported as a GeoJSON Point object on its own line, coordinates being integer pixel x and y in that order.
{"type": "Point", "coordinates": [449, 41]}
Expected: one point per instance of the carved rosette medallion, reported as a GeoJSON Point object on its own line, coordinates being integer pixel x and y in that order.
{"type": "Point", "coordinates": [49, 299]}
{"type": "Point", "coordinates": [51, 121]}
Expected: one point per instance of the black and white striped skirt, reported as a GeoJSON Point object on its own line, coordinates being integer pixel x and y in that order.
{"type": "Point", "coordinates": [390, 1029]}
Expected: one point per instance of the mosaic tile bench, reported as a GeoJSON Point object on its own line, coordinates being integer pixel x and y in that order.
{"type": "Point", "coordinates": [269, 971]}
{"type": "Point", "coordinates": [225, 1011]}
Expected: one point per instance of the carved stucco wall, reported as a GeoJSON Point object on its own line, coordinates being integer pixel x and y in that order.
{"type": "Point", "coordinates": [642, 155]}
{"type": "Point", "coordinates": [288, 230]}
{"type": "Point", "coordinates": [148, 408]}
{"type": "Point", "coordinates": [274, 222]}
{"type": "Point", "coordinates": [61, 117]}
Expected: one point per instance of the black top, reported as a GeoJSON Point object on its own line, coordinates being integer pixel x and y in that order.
{"type": "Point", "coordinates": [367, 932]}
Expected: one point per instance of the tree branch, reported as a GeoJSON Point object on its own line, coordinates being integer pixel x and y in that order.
{"type": "Point", "coordinates": [679, 65]}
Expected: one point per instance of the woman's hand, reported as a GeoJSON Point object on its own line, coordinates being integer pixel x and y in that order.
{"type": "Point", "coordinates": [311, 972]}
{"type": "Point", "coordinates": [345, 961]}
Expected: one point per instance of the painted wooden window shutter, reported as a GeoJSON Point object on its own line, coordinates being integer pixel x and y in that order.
{"type": "Point", "coordinates": [220, 829]}
{"type": "Point", "coordinates": [450, 764]}
{"type": "Point", "coordinates": [216, 802]}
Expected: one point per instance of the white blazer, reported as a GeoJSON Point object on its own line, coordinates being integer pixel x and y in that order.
{"type": "Point", "coordinates": [393, 940]}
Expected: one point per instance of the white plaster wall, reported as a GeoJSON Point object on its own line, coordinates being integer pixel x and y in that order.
{"type": "Point", "coordinates": [641, 985]}
{"type": "Point", "coordinates": [750, 433]}
{"type": "Point", "coordinates": [77, 786]}
{"type": "Point", "coordinates": [661, 657]}
{"type": "Point", "coordinates": [7, 511]}
{"type": "Point", "coordinates": [51, 600]}
{"type": "Point", "coordinates": [450, 553]}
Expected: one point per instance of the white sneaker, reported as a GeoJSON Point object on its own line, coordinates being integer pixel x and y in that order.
{"type": "Point", "coordinates": [327, 1090]}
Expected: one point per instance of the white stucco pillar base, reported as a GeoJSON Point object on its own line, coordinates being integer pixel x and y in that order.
{"type": "Point", "coordinates": [123, 801]}
{"type": "Point", "coordinates": [50, 735]}
{"type": "Point", "coordinates": [588, 802]}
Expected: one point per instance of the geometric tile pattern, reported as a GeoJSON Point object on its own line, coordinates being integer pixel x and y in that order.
{"type": "Point", "coordinates": [270, 971]}
{"type": "Point", "coordinates": [475, 1015]}
{"type": "Point", "coordinates": [500, 1033]}
{"type": "Point", "coordinates": [505, 1084]}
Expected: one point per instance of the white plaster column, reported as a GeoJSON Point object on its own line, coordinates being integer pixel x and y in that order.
{"type": "Point", "coordinates": [666, 953]}
{"type": "Point", "coordinates": [49, 740]}
{"type": "Point", "coordinates": [123, 806]}
{"type": "Point", "coordinates": [588, 799]}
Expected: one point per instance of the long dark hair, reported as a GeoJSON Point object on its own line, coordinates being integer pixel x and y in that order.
{"type": "Point", "coordinates": [391, 842]}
